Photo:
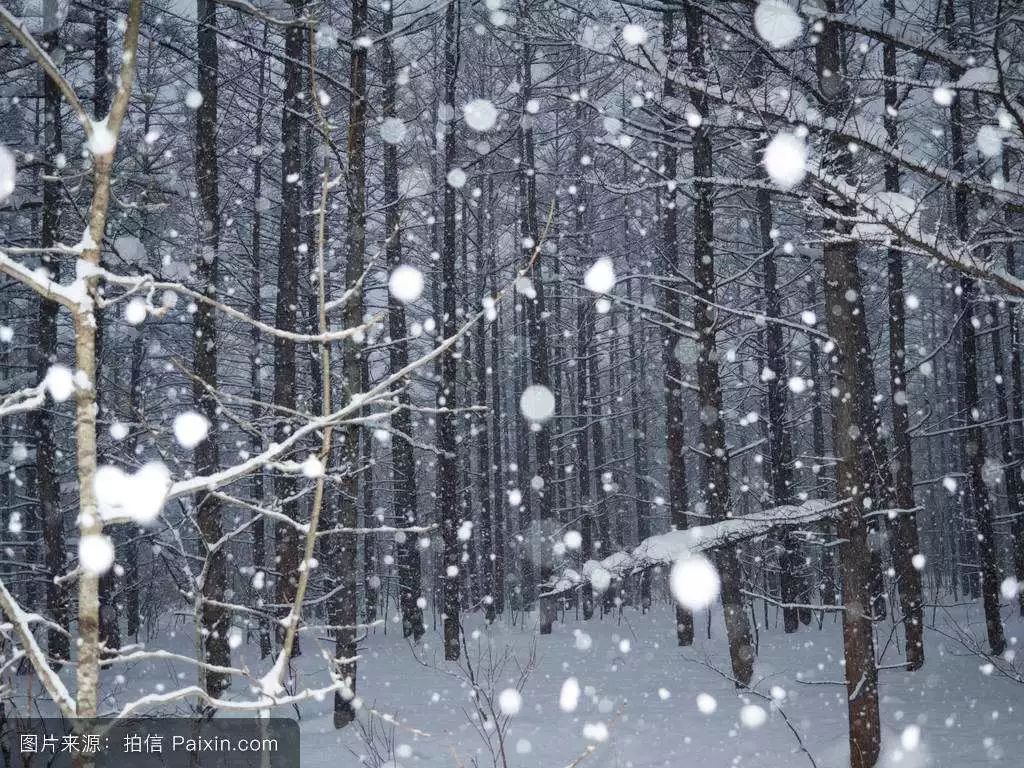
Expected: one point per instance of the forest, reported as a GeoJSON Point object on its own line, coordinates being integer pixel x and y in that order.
{"type": "Point", "coordinates": [518, 383]}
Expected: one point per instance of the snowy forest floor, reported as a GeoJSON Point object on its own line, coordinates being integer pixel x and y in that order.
{"type": "Point", "coordinates": [644, 702]}
{"type": "Point", "coordinates": [646, 694]}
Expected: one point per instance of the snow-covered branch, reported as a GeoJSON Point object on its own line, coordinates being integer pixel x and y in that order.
{"type": "Point", "coordinates": [666, 548]}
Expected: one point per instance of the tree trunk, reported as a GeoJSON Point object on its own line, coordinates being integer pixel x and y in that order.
{"type": "Point", "coordinates": [47, 481]}
{"type": "Point", "coordinates": [852, 445]}
{"type": "Point", "coordinates": [675, 414]}
{"type": "Point", "coordinates": [1017, 413]}
{"type": "Point", "coordinates": [344, 615]}
{"type": "Point", "coordinates": [975, 434]}
{"type": "Point", "coordinates": [287, 545]}
{"type": "Point", "coordinates": [403, 460]}
{"type": "Point", "coordinates": [216, 619]}
{"type": "Point", "coordinates": [259, 556]}
{"type": "Point", "coordinates": [905, 540]}
{"type": "Point", "coordinates": [447, 475]}
{"type": "Point", "coordinates": [715, 466]}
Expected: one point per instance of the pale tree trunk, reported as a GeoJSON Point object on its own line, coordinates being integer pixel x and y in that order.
{"type": "Point", "coordinates": [85, 396]}
{"type": "Point", "coordinates": [109, 630]}
{"type": "Point", "coordinates": [675, 413]}
{"type": "Point", "coordinates": [216, 619]}
{"type": "Point", "coordinates": [715, 474]}
{"type": "Point", "coordinates": [846, 325]}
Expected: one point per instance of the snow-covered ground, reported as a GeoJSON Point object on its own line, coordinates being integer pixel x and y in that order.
{"type": "Point", "coordinates": [649, 696]}
{"type": "Point", "coordinates": [643, 702]}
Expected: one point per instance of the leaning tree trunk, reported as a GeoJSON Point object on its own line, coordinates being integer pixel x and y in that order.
{"type": "Point", "coordinates": [715, 467]}
{"type": "Point", "coordinates": [846, 323]}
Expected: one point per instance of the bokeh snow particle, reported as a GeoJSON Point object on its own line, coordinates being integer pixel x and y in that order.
{"type": "Point", "coordinates": [456, 178]}
{"type": "Point", "coordinates": [569, 696]}
{"type": "Point", "coordinates": [600, 277]}
{"type": "Point", "coordinates": [190, 428]}
{"type": "Point", "coordinates": [510, 701]}
{"type": "Point", "coordinates": [753, 716]}
{"type": "Point", "coordinates": [537, 403]}
{"type": "Point", "coordinates": [95, 553]}
{"type": "Point", "coordinates": [59, 382]}
{"type": "Point", "coordinates": [706, 703]}
{"type": "Point", "coordinates": [406, 283]}
{"type": "Point", "coordinates": [694, 582]}
{"type": "Point", "coordinates": [480, 114]}
{"type": "Point", "coordinates": [8, 173]}
{"type": "Point", "coordinates": [392, 131]}
{"type": "Point", "coordinates": [634, 34]}
{"type": "Point", "coordinates": [135, 312]}
{"type": "Point", "coordinates": [777, 23]}
{"type": "Point", "coordinates": [943, 96]}
{"type": "Point", "coordinates": [785, 159]}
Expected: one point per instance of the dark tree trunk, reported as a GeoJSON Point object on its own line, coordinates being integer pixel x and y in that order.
{"type": "Point", "coordinates": [780, 444]}
{"type": "Point", "coordinates": [675, 413]}
{"type": "Point", "coordinates": [1017, 413]}
{"type": "Point", "coordinates": [974, 435]}
{"type": "Point", "coordinates": [447, 475]}
{"type": "Point", "coordinates": [259, 556]}
{"type": "Point", "coordinates": [847, 325]}
{"type": "Point", "coordinates": [403, 460]}
{"type": "Point", "coordinates": [216, 619]}
{"type": "Point", "coordinates": [47, 480]}
{"type": "Point", "coordinates": [715, 466]}
{"type": "Point", "coordinates": [287, 543]}
{"type": "Point", "coordinates": [498, 468]}
{"type": "Point", "coordinates": [905, 538]}
{"type": "Point", "coordinates": [485, 436]}
{"type": "Point", "coordinates": [535, 316]}
{"type": "Point", "coordinates": [344, 606]}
